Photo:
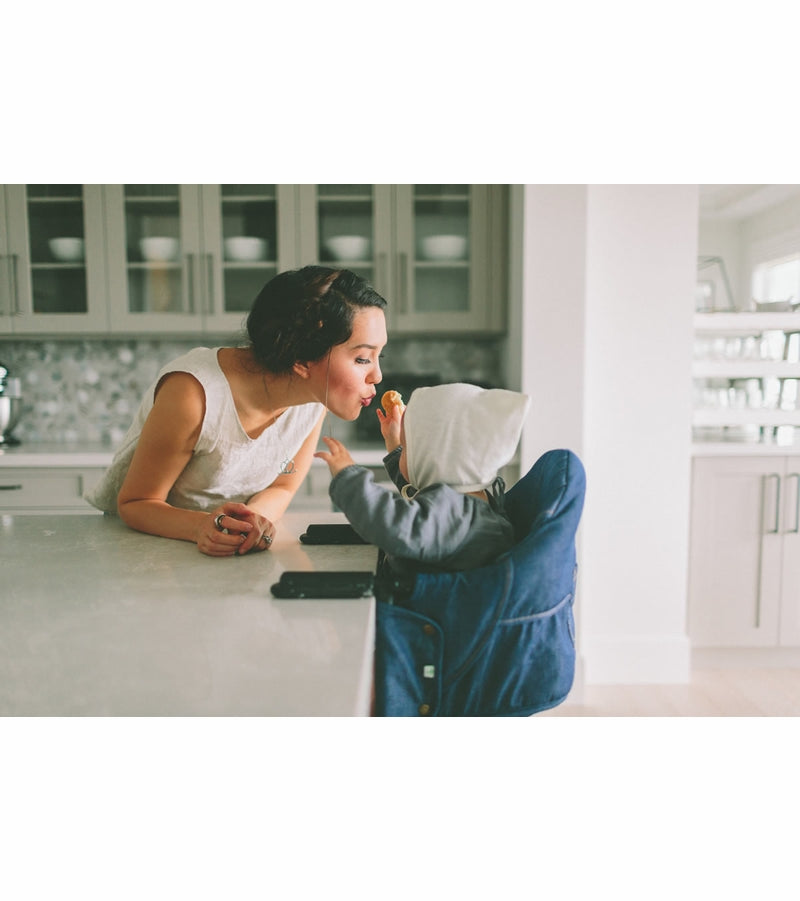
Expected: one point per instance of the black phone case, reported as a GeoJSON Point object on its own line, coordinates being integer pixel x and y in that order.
{"type": "Point", "coordinates": [332, 584]}
{"type": "Point", "coordinates": [331, 533]}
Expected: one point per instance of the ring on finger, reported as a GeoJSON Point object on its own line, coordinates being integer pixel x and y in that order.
{"type": "Point", "coordinates": [218, 522]}
{"type": "Point", "coordinates": [267, 540]}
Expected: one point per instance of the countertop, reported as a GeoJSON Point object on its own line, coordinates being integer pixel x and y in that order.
{"type": "Point", "coordinates": [99, 455]}
{"type": "Point", "coordinates": [97, 619]}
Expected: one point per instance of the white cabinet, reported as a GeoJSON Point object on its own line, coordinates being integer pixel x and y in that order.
{"type": "Point", "coordinates": [47, 490]}
{"type": "Point", "coordinates": [52, 259]}
{"type": "Point", "coordinates": [190, 259]}
{"type": "Point", "coordinates": [744, 586]}
{"type": "Point", "coordinates": [435, 252]}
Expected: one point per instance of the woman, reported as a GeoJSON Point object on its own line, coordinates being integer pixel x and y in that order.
{"type": "Point", "coordinates": [225, 436]}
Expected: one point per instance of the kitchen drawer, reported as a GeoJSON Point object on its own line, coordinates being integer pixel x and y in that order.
{"type": "Point", "coordinates": [51, 491]}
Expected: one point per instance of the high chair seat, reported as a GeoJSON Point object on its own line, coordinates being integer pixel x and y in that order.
{"type": "Point", "coordinates": [498, 640]}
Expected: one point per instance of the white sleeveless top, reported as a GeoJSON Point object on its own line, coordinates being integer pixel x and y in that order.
{"type": "Point", "coordinates": [226, 464]}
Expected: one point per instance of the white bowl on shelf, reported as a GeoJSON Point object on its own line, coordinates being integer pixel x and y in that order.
{"type": "Point", "coordinates": [348, 247]}
{"type": "Point", "coordinates": [776, 306]}
{"type": "Point", "coordinates": [159, 249]}
{"type": "Point", "coordinates": [67, 250]}
{"type": "Point", "coordinates": [444, 247]}
{"type": "Point", "coordinates": [244, 249]}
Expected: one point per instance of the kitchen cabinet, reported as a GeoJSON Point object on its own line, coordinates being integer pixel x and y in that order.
{"type": "Point", "coordinates": [746, 373]}
{"type": "Point", "coordinates": [192, 258]}
{"type": "Point", "coordinates": [744, 584]}
{"type": "Point", "coordinates": [53, 490]}
{"type": "Point", "coordinates": [435, 252]}
{"type": "Point", "coordinates": [52, 259]}
{"type": "Point", "coordinates": [189, 259]}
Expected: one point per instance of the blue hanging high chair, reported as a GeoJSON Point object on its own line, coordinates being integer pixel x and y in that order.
{"type": "Point", "coordinates": [498, 640]}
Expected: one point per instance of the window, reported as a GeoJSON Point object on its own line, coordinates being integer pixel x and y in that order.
{"type": "Point", "coordinates": [777, 280]}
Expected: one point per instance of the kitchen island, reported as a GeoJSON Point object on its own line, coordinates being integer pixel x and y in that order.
{"type": "Point", "coordinates": [99, 620]}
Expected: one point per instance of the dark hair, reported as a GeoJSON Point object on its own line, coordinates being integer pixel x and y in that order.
{"type": "Point", "coordinates": [301, 314]}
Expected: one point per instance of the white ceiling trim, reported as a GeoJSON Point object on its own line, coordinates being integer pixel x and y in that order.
{"type": "Point", "coordinates": [740, 201]}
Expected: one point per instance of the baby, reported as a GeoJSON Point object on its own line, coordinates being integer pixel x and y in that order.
{"type": "Point", "coordinates": [445, 451]}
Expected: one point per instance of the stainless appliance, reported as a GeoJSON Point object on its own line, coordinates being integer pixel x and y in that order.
{"type": "Point", "coordinates": [10, 406]}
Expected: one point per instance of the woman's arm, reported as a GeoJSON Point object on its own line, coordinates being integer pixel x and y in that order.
{"type": "Point", "coordinates": [165, 446]}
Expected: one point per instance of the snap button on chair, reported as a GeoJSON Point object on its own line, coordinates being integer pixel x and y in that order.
{"type": "Point", "coordinates": [498, 640]}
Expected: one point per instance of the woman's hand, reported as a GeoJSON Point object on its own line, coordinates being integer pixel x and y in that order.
{"type": "Point", "coordinates": [337, 456]}
{"type": "Point", "coordinates": [234, 529]}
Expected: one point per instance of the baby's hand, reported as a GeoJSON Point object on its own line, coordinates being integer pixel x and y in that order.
{"type": "Point", "coordinates": [337, 456]}
{"type": "Point", "coordinates": [390, 427]}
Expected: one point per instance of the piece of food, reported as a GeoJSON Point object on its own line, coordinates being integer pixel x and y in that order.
{"type": "Point", "coordinates": [392, 399]}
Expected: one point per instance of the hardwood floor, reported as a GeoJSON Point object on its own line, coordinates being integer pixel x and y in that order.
{"type": "Point", "coordinates": [712, 691]}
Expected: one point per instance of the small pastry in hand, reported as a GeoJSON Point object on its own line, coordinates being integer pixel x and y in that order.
{"type": "Point", "coordinates": [392, 399]}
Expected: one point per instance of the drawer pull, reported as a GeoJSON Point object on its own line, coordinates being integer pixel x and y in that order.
{"type": "Point", "coordinates": [796, 529]}
{"type": "Point", "coordinates": [10, 487]}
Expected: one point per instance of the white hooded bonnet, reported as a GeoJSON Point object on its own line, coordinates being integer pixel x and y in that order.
{"type": "Point", "coordinates": [461, 434]}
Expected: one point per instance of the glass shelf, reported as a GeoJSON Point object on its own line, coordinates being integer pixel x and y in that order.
{"type": "Point", "coordinates": [441, 248]}
{"type": "Point", "coordinates": [154, 248]}
{"type": "Point", "coordinates": [57, 266]}
{"type": "Point", "coordinates": [249, 250]}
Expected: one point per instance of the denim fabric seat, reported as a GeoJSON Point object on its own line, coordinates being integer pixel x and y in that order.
{"type": "Point", "coordinates": [498, 640]}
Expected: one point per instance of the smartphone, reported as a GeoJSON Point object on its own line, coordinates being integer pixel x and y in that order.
{"type": "Point", "coordinates": [319, 584]}
{"type": "Point", "coordinates": [331, 533]}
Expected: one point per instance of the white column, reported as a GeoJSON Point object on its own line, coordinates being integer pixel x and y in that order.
{"type": "Point", "coordinates": [607, 289]}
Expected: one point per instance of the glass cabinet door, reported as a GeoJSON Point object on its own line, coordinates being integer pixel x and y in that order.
{"type": "Point", "coordinates": [156, 269]}
{"type": "Point", "coordinates": [243, 248]}
{"type": "Point", "coordinates": [57, 241]}
{"type": "Point", "coordinates": [53, 267]}
{"type": "Point", "coordinates": [352, 229]}
{"type": "Point", "coordinates": [436, 248]}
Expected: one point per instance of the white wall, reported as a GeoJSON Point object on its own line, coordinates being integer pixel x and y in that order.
{"type": "Point", "coordinates": [607, 295]}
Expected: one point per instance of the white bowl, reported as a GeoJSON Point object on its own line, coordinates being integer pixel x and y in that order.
{"type": "Point", "coordinates": [444, 247]}
{"type": "Point", "coordinates": [245, 249]}
{"type": "Point", "coordinates": [348, 247]}
{"type": "Point", "coordinates": [68, 250]}
{"type": "Point", "coordinates": [776, 306]}
{"type": "Point", "coordinates": [159, 250]}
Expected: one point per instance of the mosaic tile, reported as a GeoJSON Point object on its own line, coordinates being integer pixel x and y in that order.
{"type": "Point", "coordinates": [88, 390]}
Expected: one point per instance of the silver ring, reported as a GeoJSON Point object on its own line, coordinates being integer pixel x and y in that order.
{"type": "Point", "coordinates": [218, 522]}
{"type": "Point", "coordinates": [267, 540]}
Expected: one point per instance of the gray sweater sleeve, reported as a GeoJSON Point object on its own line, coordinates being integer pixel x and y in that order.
{"type": "Point", "coordinates": [429, 528]}
{"type": "Point", "coordinates": [391, 463]}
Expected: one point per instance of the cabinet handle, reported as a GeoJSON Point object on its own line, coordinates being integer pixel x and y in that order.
{"type": "Point", "coordinates": [208, 294]}
{"type": "Point", "coordinates": [10, 487]}
{"type": "Point", "coordinates": [13, 284]}
{"type": "Point", "coordinates": [764, 531]}
{"type": "Point", "coordinates": [188, 271]}
{"type": "Point", "coordinates": [403, 282]}
{"type": "Point", "coordinates": [796, 529]}
{"type": "Point", "coordinates": [5, 284]}
{"type": "Point", "coordinates": [380, 272]}
{"type": "Point", "coordinates": [774, 475]}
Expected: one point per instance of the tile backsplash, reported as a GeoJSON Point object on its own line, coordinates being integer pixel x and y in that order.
{"type": "Point", "coordinates": [88, 390]}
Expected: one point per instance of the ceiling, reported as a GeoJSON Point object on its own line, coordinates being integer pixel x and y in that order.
{"type": "Point", "coordinates": [740, 201]}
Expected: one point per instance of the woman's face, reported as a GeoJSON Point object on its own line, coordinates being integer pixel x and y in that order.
{"type": "Point", "coordinates": [345, 379]}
